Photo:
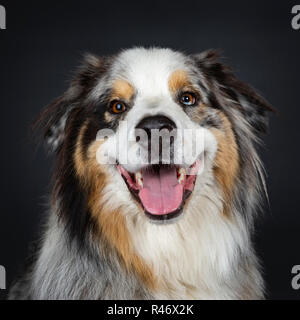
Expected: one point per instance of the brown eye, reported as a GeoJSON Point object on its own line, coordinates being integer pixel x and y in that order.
{"type": "Point", "coordinates": [188, 99]}
{"type": "Point", "coordinates": [118, 107]}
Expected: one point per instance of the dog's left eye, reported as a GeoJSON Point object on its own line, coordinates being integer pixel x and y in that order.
{"type": "Point", "coordinates": [188, 99]}
{"type": "Point", "coordinates": [118, 107]}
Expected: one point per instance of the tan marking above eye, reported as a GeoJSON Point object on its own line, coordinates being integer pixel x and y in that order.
{"type": "Point", "coordinates": [122, 90]}
{"type": "Point", "coordinates": [178, 80]}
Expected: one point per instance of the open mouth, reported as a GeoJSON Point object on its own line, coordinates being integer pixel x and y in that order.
{"type": "Point", "coordinates": [162, 190]}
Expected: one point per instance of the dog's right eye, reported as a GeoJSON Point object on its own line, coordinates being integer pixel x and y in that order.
{"type": "Point", "coordinates": [117, 107]}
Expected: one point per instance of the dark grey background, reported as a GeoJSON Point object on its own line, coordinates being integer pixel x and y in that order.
{"type": "Point", "coordinates": [43, 43]}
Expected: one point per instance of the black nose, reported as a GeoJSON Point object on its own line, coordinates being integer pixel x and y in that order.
{"type": "Point", "coordinates": [166, 141]}
{"type": "Point", "coordinates": [156, 122]}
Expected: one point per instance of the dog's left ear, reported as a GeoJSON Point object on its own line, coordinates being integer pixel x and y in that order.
{"type": "Point", "coordinates": [226, 88]}
{"type": "Point", "coordinates": [52, 120]}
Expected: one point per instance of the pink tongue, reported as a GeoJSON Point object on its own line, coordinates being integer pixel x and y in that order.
{"type": "Point", "coordinates": [161, 193]}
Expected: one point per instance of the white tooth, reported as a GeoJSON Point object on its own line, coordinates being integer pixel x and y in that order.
{"type": "Point", "coordinates": [139, 177]}
{"type": "Point", "coordinates": [182, 173]}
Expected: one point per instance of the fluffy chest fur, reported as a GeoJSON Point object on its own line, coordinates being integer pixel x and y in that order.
{"type": "Point", "coordinates": [196, 257]}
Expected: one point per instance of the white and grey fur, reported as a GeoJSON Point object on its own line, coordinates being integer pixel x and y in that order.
{"type": "Point", "coordinates": [200, 256]}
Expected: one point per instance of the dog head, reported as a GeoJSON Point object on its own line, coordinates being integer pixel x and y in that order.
{"type": "Point", "coordinates": [144, 131]}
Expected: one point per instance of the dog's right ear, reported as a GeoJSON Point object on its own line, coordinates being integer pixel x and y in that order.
{"type": "Point", "coordinates": [53, 119]}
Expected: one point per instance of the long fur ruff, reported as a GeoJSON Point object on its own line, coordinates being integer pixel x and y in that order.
{"type": "Point", "coordinates": [97, 242]}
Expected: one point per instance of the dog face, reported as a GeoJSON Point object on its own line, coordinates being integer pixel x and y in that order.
{"type": "Point", "coordinates": [152, 92]}
{"type": "Point", "coordinates": [110, 127]}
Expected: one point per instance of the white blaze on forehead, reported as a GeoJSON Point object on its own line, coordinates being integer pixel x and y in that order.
{"type": "Point", "coordinates": [148, 70]}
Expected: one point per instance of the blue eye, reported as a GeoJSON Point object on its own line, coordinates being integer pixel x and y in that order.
{"type": "Point", "coordinates": [188, 99]}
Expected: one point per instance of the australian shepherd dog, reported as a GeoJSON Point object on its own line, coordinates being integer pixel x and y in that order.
{"type": "Point", "coordinates": [157, 182]}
